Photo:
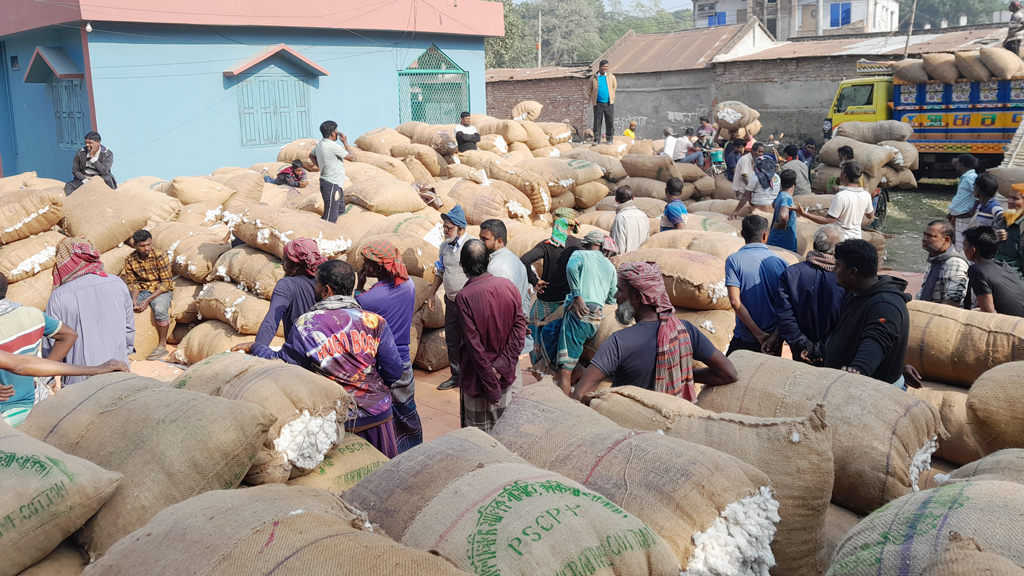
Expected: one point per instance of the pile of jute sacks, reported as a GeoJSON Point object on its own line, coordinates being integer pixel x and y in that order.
{"type": "Point", "coordinates": [881, 149]}
{"type": "Point", "coordinates": [241, 466]}
{"type": "Point", "coordinates": [987, 63]}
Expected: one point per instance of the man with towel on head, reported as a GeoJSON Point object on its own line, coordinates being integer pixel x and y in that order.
{"type": "Point", "coordinates": [657, 352]}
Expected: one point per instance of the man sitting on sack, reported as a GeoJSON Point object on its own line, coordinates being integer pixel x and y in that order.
{"type": "Point", "coordinates": [93, 160]}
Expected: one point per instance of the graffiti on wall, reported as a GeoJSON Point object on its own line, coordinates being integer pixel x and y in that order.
{"type": "Point", "coordinates": [622, 122]}
{"type": "Point", "coordinates": [687, 117]}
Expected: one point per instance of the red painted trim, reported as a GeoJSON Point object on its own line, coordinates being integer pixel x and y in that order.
{"type": "Point", "coordinates": [39, 54]}
{"type": "Point", "coordinates": [270, 51]}
{"type": "Point", "coordinates": [88, 80]}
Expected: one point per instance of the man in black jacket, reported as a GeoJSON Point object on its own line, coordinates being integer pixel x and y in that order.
{"type": "Point", "coordinates": [92, 161]}
{"type": "Point", "coordinates": [466, 136]}
{"type": "Point", "coordinates": [871, 334]}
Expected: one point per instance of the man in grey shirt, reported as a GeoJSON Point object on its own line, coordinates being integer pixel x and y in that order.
{"type": "Point", "coordinates": [450, 273]}
{"type": "Point", "coordinates": [505, 264]}
{"type": "Point", "coordinates": [330, 156]}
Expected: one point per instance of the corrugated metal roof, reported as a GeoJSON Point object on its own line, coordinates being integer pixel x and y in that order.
{"type": "Point", "coordinates": [920, 43]}
{"type": "Point", "coordinates": [545, 73]}
{"type": "Point", "coordinates": [668, 51]}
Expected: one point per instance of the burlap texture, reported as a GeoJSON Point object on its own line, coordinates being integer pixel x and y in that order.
{"type": "Point", "coordinates": [676, 487]}
{"type": "Point", "coordinates": [994, 408]}
{"type": "Point", "coordinates": [26, 258]}
{"type": "Point", "coordinates": [561, 178]}
{"type": "Point", "coordinates": [381, 140]}
{"type": "Point", "coordinates": [966, 557]}
{"type": "Point", "coordinates": [535, 136]}
{"type": "Point", "coordinates": [910, 71]}
{"type": "Point", "coordinates": [527, 110]}
{"type": "Point", "coordinates": [717, 244]}
{"type": "Point", "coordinates": [431, 160]}
{"type": "Point", "coordinates": [384, 195]}
{"type": "Point", "coordinates": [510, 130]}
{"type": "Point", "coordinates": [200, 214]}
{"type": "Point", "coordinates": [269, 229]}
{"type": "Point", "coordinates": [941, 66]}
{"type": "Point", "coordinates": [344, 466]}
{"type": "Point", "coordinates": [418, 255]}
{"type": "Point", "coordinates": [291, 394]}
{"type": "Point", "coordinates": [905, 536]}
{"type": "Point", "coordinates": [192, 250]}
{"type": "Point", "coordinates": [243, 311]}
{"type": "Point", "coordinates": [169, 444]}
{"type": "Point", "coordinates": [24, 213]}
{"type": "Point", "coordinates": [432, 354]}
{"type": "Point", "coordinates": [65, 560]}
{"type": "Point", "coordinates": [589, 193]}
{"type": "Point", "coordinates": [951, 402]}
{"type": "Point", "coordinates": [795, 453]}
{"type": "Point", "coordinates": [972, 67]}
{"type": "Point", "coordinates": [528, 182]}
{"type": "Point", "coordinates": [113, 260]}
{"type": "Point", "coordinates": [955, 346]}
{"type": "Point", "coordinates": [146, 336]}
{"type": "Point", "coordinates": [209, 339]}
{"type": "Point", "coordinates": [871, 157]}
{"type": "Point", "coordinates": [1004, 466]}
{"type": "Point", "coordinates": [392, 166]}
{"type": "Point", "coordinates": [109, 217]}
{"type": "Point", "coordinates": [193, 189]}
{"type": "Point", "coordinates": [693, 280]}
{"type": "Point", "coordinates": [250, 267]}
{"type": "Point", "coordinates": [838, 523]}
{"type": "Point", "coordinates": [733, 115]}
{"type": "Point", "coordinates": [15, 182]}
{"type": "Point", "coordinates": [1003, 64]}
{"type": "Point", "coordinates": [280, 530]}
{"type": "Point", "coordinates": [48, 494]}
{"type": "Point", "coordinates": [32, 291]}
{"type": "Point", "coordinates": [873, 449]}
{"type": "Point", "coordinates": [407, 129]}
{"type": "Point", "coordinates": [612, 167]}
{"type": "Point", "coordinates": [298, 150]}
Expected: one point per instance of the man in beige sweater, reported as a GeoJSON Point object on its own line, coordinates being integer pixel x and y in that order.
{"type": "Point", "coordinates": [602, 97]}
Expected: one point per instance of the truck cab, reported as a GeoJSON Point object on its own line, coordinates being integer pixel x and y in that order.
{"type": "Point", "coordinates": [860, 100]}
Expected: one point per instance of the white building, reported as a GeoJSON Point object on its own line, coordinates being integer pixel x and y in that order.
{"type": "Point", "coordinates": [786, 18]}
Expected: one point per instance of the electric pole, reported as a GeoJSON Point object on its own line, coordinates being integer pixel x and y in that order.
{"type": "Point", "coordinates": [539, 34]}
{"type": "Point", "coordinates": [910, 31]}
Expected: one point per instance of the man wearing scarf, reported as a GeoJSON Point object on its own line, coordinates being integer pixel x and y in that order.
{"type": "Point", "coordinates": [393, 297]}
{"type": "Point", "coordinates": [946, 280]}
{"type": "Point", "coordinates": [763, 185]}
{"type": "Point", "coordinates": [1008, 230]}
{"type": "Point", "coordinates": [351, 346]}
{"type": "Point", "coordinates": [552, 286]}
{"type": "Point", "coordinates": [96, 305]}
{"type": "Point", "coordinates": [450, 275]}
{"type": "Point", "coordinates": [657, 352]}
{"type": "Point", "coordinates": [591, 285]}
{"type": "Point", "coordinates": [810, 297]}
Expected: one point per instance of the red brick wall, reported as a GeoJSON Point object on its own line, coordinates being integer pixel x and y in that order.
{"type": "Point", "coordinates": [563, 98]}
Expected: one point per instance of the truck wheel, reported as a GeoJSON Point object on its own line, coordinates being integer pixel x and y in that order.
{"type": "Point", "coordinates": [880, 211]}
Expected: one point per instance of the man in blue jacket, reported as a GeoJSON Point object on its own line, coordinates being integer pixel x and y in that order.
{"type": "Point", "coordinates": [810, 297]}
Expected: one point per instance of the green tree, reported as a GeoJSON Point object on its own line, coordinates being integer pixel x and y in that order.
{"type": "Point", "coordinates": [571, 29]}
{"type": "Point", "coordinates": [933, 11]}
{"type": "Point", "coordinates": [517, 49]}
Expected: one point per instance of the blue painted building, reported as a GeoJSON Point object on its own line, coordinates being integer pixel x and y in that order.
{"type": "Point", "coordinates": [226, 85]}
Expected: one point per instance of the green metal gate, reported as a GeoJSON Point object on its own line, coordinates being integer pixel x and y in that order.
{"type": "Point", "coordinates": [433, 89]}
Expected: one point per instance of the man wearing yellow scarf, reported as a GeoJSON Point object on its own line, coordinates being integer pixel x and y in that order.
{"type": "Point", "coordinates": [1008, 229]}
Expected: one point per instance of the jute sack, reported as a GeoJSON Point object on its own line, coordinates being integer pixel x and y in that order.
{"type": "Point", "coordinates": [878, 453]}
{"type": "Point", "coordinates": [908, 157]}
{"type": "Point", "coordinates": [146, 336]}
{"type": "Point", "coordinates": [897, 179]}
{"type": "Point", "coordinates": [966, 557]}
{"type": "Point", "coordinates": [120, 422]}
{"type": "Point", "coordinates": [994, 406]}
{"type": "Point", "coordinates": [1007, 177]}
{"type": "Point", "coordinates": [407, 129]}
{"type": "Point", "coordinates": [272, 167]}
{"type": "Point", "coordinates": [298, 150]}
{"type": "Point", "coordinates": [951, 402]}
{"type": "Point", "coordinates": [589, 194]}
{"type": "Point", "coordinates": [28, 212]}
{"type": "Point", "coordinates": [280, 530]}
{"type": "Point", "coordinates": [615, 150]}
{"type": "Point", "coordinates": [209, 339]}
{"type": "Point", "coordinates": [972, 67]}
{"type": "Point", "coordinates": [870, 157]}
{"type": "Point", "coordinates": [642, 147]}
{"type": "Point", "coordinates": [427, 156]}
{"type": "Point", "coordinates": [653, 167]}
{"type": "Point", "coordinates": [191, 189]}
{"type": "Point", "coordinates": [478, 159]}
{"type": "Point", "coordinates": [563, 203]}
{"type": "Point", "coordinates": [241, 310]}
{"type": "Point", "coordinates": [795, 453]}
{"type": "Point", "coordinates": [705, 186]}
{"type": "Point", "coordinates": [725, 207]}
{"type": "Point", "coordinates": [941, 66]}
{"type": "Point", "coordinates": [558, 133]}
{"type": "Point", "coordinates": [910, 71]}
{"type": "Point", "coordinates": [109, 217]}
{"type": "Point", "coordinates": [528, 182]}
{"type": "Point", "coordinates": [822, 176]}
{"type": "Point", "coordinates": [26, 258]}
{"type": "Point", "coordinates": [527, 110]}
{"type": "Point", "coordinates": [310, 409]}
{"type": "Point", "coordinates": [200, 214]}
{"type": "Point", "coordinates": [717, 244]}
{"type": "Point", "coordinates": [681, 490]}
{"type": "Point", "coordinates": [468, 499]}
{"type": "Point", "coordinates": [693, 280]}
{"type": "Point", "coordinates": [192, 250]}
{"type": "Point", "coordinates": [32, 291]}
{"type": "Point", "coordinates": [269, 229]}
{"type": "Point", "coordinates": [360, 171]}
{"type": "Point", "coordinates": [254, 269]}
{"type": "Point", "coordinates": [1003, 64]}
{"type": "Point", "coordinates": [248, 186]}
{"type": "Point", "coordinates": [956, 346]}
{"type": "Point", "coordinates": [440, 138]}
{"type": "Point", "coordinates": [408, 224]}
{"type": "Point", "coordinates": [838, 523]}
{"type": "Point", "coordinates": [586, 171]}
{"type": "Point", "coordinates": [493, 143]}
{"type": "Point", "coordinates": [651, 188]}
{"type": "Point", "coordinates": [723, 189]}
{"type": "Point", "coordinates": [535, 137]}
{"type": "Point", "coordinates": [704, 222]}
{"type": "Point", "coordinates": [419, 172]}
{"type": "Point", "coordinates": [517, 204]}
{"type": "Point", "coordinates": [653, 207]}
{"type": "Point", "coordinates": [344, 466]}
{"type": "Point", "coordinates": [561, 178]}
{"type": "Point", "coordinates": [65, 560]}
{"type": "Point", "coordinates": [510, 130]}
{"type": "Point", "coordinates": [1003, 466]}
{"type": "Point", "coordinates": [613, 170]}
{"type": "Point", "coordinates": [385, 196]}
{"type": "Point", "coordinates": [356, 221]}
{"type": "Point", "coordinates": [872, 133]}
{"type": "Point", "coordinates": [418, 255]}
{"type": "Point", "coordinates": [903, 537]}
{"type": "Point", "coordinates": [734, 115]}
{"type": "Point", "coordinates": [392, 166]}
{"type": "Point", "coordinates": [183, 302]}
{"type": "Point", "coordinates": [433, 351]}
{"type": "Point", "coordinates": [717, 325]}
{"type": "Point", "coordinates": [16, 182]}
{"type": "Point", "coordinates": [113, 260]}
{"type": "Point", "coordinates": [48, 494]}
{"type": "Point", "coordinates": [481, 203]}
{"type": "Point", "coordinates": [381, 140]}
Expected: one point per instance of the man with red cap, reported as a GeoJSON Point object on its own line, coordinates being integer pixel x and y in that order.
{"type": "Point", "coordinates": [393, 297]}
{"type": "Point", "coordinates": [656, 353]}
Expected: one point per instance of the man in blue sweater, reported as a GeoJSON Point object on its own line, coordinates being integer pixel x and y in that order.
{"type": "Point", "coordinates": [602, 97]}
{"type": "Point", "coordinates": [810, 297]}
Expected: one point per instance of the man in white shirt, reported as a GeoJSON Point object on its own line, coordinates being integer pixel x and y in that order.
{"type": "Point", "coordinates": [745, 171]}
{"type": "Point", "coordinates": [850, 205]}
{"type": "Point", "coordinates": [1015, 29]}
{"type": "Point", "coordinates": [330, 156]}
{"type": "Point", "coordinates": [632, 227]}
{"type": "Point", "coordinates": [670, 143]}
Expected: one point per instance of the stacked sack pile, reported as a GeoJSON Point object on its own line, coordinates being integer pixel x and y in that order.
{"type": "Point", "coordinates": [982, 65]}
{"type": "Point", "coordinates": [736, 120]}
{"type": "Point", "coordinates": [882, 150]}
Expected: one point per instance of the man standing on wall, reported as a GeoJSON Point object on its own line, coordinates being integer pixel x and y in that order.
{"type": "Point", "coordinates": [329, 156]}
{"type": "Point", "coordinates": [602, 97]}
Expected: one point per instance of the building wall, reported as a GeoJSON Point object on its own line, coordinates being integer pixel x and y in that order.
{"type": "Point", "coordinates": [28, 114]}
{"type": "Point", "coordinates": [166, 109]}
{"type": "Point", "coordinates": [793, 96]}
{"type": "Point", "coordinates": [563, 98]}
{"type": "Point", "coordinates": [666, 99]}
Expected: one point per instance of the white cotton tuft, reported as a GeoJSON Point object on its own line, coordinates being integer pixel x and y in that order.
{"type": "Point", "coordinates": [435, 236]}
{"type": "Point", "coordinates": [716, 291]}
{"type": "Point", "coordinates": [795, 437]}
{"type": "Point", "coordinates": [729, 115]}
{"type": "Point", "coordinates": [922, 461]}
{"type": "Point", "coordinates": [739, 542]}
{"type": "Point", "coordinates": [941, 478]}
{"type": "Point", "coordinates": [306, 439]}
{"type": "Point", "coordinates": [708, 325]}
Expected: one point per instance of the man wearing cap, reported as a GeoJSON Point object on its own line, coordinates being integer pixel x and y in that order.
{"type": "Point", "coordinates": [592, 284]}
{"type": "Point", "coordinates": [656, 353]}
{"type": "Point", "coordinates": [552, 286]}
{"type": "Point", "coordinates": [450, 273]}
{"type": "Point", "coordinates": [394, 298]}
